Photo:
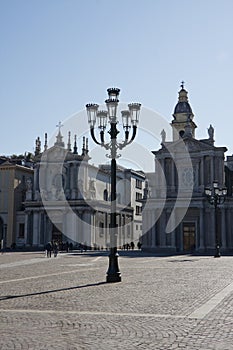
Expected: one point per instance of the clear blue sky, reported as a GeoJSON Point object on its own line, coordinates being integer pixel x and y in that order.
{"type": "Point", "coordinates": [57, 55]}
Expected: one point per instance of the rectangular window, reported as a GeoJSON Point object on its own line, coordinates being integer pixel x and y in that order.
{"type": "Point", "coordinates": [138, 196]}
{"type": "Point", "coordinates": [21, 230]}
{"type": "Point", "coordinates": [138, 184]}
{"type": "Point", "coordinates": [128, 231]}
{"type": "Point", "coordinates": [101, 229]}
{"type": "Point", "coordinates": [138, 210]}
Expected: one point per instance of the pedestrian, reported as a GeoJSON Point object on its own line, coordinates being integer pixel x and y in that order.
{"type": "Point", "coordinates": [55, 249]}
{"type": "Point", "coordinates": [48, 249]}
{"type": "Point", "coordinates": [132, 245]}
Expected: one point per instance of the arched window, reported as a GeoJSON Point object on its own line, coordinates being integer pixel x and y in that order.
{"type": "Point", "coordinates": [181, 133]}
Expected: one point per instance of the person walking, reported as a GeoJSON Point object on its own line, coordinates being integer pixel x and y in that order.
{"type": "Point", "coordinates": [49, 249]}
{"type": "Point", "coordinates": [55, 249]}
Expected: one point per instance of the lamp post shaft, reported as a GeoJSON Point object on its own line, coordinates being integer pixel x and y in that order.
{"type": "Point", "coordinates": [217, 240]}
{"type": "Point", "coordinates": [113, 273]}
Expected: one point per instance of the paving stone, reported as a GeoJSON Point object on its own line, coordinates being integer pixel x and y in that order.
{"type": "Point", "coordinates": [64, 302]}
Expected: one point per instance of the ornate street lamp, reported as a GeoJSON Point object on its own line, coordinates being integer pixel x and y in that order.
{"type": "Point", "coordinates": [216, 195]}
{"type": "Point", "coordinates": [130, 120]}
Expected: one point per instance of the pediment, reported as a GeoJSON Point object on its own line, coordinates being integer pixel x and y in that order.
{"type": "Point", "coordinates": [54, 154]}
{"type": "Point", "coordinates": [187, 144]}
{"type": "Point", "coordinates": [194, 145]}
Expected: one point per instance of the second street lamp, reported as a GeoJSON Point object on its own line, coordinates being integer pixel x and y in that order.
{"type": "Point", "coordinates": [130, 119]}
{"type": "Point", "coordinates": [216, 195]}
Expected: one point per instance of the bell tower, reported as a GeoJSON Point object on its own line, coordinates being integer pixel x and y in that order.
{"type": "Point", "coordinates": [182, 115]}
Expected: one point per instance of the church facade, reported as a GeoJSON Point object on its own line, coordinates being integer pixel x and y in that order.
{"type": "Point", "coordinates": [177, 216]}
{"type": "Point", "coordinates": [69, 199]}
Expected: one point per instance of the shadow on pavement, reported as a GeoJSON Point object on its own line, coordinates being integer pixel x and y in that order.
{"type": "Point", "coordinates": [6, 297]}
{"type": "Point", "coordinates": [125, 253]}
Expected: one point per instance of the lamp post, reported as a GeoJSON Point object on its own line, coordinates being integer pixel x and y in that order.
{"type": "Point", "coordinates": [130, 118]}
{"type": "Point", "coordinates": [216, 195]}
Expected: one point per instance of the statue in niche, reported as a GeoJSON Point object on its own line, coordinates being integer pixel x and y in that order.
{"type": "Point", "coordinates": [92, 189]}
{"type": "Point", "coordinates": [163, 135]}
{"type": "Point", "coordinates": [211, 132]}
{"type": "Point", "coordinates": [29, 184]}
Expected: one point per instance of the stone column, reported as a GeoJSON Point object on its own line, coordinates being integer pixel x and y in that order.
{"type": "Point", "coordinates": [162, 229]}
{"type": "Point", "coordinates": [223, 228]}
{"type": "Point", "coordinates": [212, 169]}
{"type": "Point", "coordinates": [212, 232]}
{"type": "Point", "coordinates": [35, 228]}
{"type": "Point", "coordinates": [153, 228]}
{"type": "Point", "coordinates": [26, 228]}
{"type": "Point", "coordinates": [74, 190]}
{"type": "Point", "coordinates": [173, 233]}
{"type": "Point", "coordinates": [202, 172]}
{"type": "Point", "coordinates": [201, 230]}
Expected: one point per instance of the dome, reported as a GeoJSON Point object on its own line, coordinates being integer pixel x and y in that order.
{"type": "Point", "coordinates": [183, 107]}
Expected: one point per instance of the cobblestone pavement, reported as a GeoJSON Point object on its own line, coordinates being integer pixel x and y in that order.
{"type": "Point", "coordinates": [176, 302]}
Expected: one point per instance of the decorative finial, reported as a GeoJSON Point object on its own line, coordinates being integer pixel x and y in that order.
{"type": "Point", "coordinates": [83, 149]}
{"type": "Point", "coordinates": [38, 146]}
{"type": "Point", "coordinates": [45, 141]}
{"type": "Point", "coordinates": [182, 84]}
{"type": "Point", "coordinates": [87, 146]}
{"type": "Point", "coordinates": [75, 145]}
{"type": "Point", "coordinates": [69, 143]}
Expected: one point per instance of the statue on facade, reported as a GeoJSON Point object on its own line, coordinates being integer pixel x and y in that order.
{"type": "Point", "coordinates": [163, 135]}
{"type": "Point", "coordinates": [211, 132]}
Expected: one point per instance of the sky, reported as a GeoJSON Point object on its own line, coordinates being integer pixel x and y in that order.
{"type": "Point", "coordinates": [58, 55]}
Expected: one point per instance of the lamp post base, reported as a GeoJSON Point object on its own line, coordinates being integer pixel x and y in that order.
{"type": "Point", "coordinates": [113, 273]}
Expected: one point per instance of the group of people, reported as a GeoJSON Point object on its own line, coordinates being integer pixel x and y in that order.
{"type": "Point", "coordinates": [51, 247]}
{"type": "Point", "coordinates": [55, 246]}
{"type": "Point", "coordinates": [131, 245]}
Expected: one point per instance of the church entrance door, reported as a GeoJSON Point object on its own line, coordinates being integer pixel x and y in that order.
{"type": "Point", "coordinates": [57, 233]}
{"type": "Point", "coordinates": [189, 236]}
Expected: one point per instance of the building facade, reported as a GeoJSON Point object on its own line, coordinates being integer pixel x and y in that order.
{"type": "Point", "coordinates": [177, 216]}
{"type": "Point", "coordinates": [69, 199]}
{"type": "Point", "coordinates": [13, 182]}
